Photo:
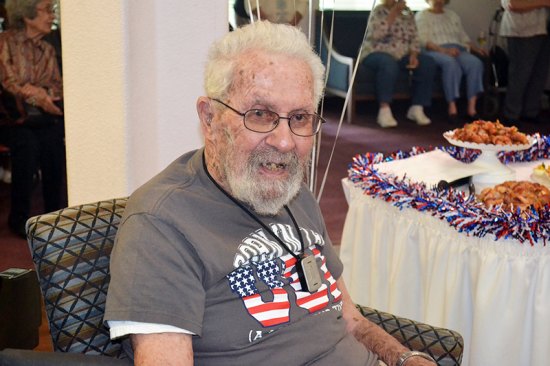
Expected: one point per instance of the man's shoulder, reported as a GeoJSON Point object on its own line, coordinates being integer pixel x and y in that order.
{"type": "Point", "coordinates": [305, 201]}
{"type": "Point", "coordinates": [178, 177]}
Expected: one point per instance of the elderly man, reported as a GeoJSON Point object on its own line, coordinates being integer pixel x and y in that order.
{"type": "Point", "coordinates": [223, 258]}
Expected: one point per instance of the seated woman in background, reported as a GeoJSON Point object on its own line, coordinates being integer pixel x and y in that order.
{"type": "Point", "coordinates": [392, 44]}
{"type": "Point", "coordinates": [30, 75]}
{"type": "Point", "coordinates": [441, 33]}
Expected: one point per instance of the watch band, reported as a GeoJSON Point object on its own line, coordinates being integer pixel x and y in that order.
{"type": "Point", "coordinates": [405, 356]}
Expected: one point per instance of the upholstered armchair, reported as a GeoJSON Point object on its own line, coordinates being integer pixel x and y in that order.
{"type": "Point", "coordinates": [71, 250]}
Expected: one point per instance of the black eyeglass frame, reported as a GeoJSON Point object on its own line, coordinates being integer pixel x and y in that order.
{"type": "Point", "coordinates": [275, 122]}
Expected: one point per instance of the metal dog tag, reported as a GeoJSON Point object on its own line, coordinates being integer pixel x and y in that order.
{"type": "Point", "coordinates": [308, 271]}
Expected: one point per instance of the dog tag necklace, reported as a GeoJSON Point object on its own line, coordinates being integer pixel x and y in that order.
{"type": "Point", "coordinates": [306, 265]}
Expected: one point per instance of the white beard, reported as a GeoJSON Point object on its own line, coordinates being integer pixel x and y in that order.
{"type": "Point", "coordinates": [265, 196]}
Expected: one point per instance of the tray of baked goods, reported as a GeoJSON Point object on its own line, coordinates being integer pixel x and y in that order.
{"type": "Point", "coordinates": [489, 136]}
{"type": "Point", "coordinates": [511, 195]}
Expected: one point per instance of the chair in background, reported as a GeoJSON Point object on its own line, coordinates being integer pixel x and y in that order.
{"type": "Point", "coordinates": [71, 249]}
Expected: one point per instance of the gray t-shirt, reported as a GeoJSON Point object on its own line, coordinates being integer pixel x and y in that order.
{"type": "Point", "coordinates": [187, 256]}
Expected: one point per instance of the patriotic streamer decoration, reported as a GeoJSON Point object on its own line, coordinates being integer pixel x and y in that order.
{"type": "Point", "coordinates": [461, 211]}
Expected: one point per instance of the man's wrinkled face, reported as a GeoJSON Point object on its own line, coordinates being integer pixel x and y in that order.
{"type": "Point", "coordinates": [264, 170]}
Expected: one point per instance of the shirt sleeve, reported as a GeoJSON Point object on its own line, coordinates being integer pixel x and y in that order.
{"type": "Point", "coordinates": [10, 80]}
{"type": "Point", "coordinates": [464, 38]}
{"type": "Point", "coordinates": [52, 77]}
{"type": "Point", "coordinates": [414, 41]}
{"type": "Point", "coordinates": [156, 276]}
{"type": "Point", "coordinates": [119, 328]}
{"type": "Point", "coordinates": [423, 28]}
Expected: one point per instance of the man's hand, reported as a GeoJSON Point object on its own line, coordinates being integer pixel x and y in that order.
{"type": "Point", "coordinates": [372, 336]}
{"type": "Point", "coordinates": [170, 349]}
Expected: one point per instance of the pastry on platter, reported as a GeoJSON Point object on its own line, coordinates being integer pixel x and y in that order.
{"type": "Point", "coordinates": [513, 194]}
{"type": "Point", "coordinates": [490, 133]}
{"type": "Point", "coordinates": [541, 174]}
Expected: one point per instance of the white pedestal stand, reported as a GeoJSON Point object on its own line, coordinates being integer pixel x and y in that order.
{"type": "Point", "coordinates": [499, 172]}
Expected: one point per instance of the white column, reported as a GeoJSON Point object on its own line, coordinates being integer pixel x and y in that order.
{"type": "Point", "coordinates": [132, 73]}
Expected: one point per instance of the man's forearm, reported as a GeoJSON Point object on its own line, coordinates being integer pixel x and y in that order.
{"type": "Point", "coordinates": [369, 334]}
{"type": "Point", "coordinates": [378, 341]}
{"type": "Point", "coordinates": [170, 349]}
{"type": "Point", "coordinates": [374, 338]}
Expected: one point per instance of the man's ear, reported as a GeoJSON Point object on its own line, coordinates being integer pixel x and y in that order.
{"type": "Point", "coordinates": [205, 112]}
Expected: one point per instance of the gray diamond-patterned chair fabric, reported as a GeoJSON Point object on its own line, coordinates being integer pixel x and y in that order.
{"type": "Point", "coordinates": [444, 345]}
{"type": "Point", "coordinates": [71, 249]}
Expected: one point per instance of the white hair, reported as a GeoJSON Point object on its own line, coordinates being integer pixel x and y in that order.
{"type": "Point", "coordinates": [258, 36]}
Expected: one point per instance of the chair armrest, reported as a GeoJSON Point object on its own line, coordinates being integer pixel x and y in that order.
{"type": "Point", "coordinates": [19, 357]}
{"type": "Point", "coordinates": [444, 345]}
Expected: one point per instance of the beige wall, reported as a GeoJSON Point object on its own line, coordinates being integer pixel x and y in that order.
{"type": "Point", "coordinates": [132, 73]}
{"type": "Point", "coordinates": [476, 15]}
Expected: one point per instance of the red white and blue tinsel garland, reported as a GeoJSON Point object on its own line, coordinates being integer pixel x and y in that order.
{"type": "Point", "coordinates": [461, 211]}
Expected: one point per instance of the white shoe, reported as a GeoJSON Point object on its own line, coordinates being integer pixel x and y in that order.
{"type": "Point", "coordinates": [7, 176]}
{"type": "Point", "coordinates": [416, 113]}
{"type": "Point", "coordinates": [385, 118]}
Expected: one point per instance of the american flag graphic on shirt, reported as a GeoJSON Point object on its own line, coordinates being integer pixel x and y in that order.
{"type": "Point", "coordinates": [274, 273]}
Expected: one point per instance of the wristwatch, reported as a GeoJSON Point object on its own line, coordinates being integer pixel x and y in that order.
{"type": "Point", "coordinates": [405, 356]}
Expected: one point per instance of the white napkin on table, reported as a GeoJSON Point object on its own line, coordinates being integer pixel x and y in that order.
{"type": "Point", "coordinates": [431, 167]}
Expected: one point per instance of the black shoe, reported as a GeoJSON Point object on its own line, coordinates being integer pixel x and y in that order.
{"type": "Point", "coordinates": [19, 230]}
{"type": "Point", "coordinates": [17, 226]}
{"type": "Point", "coordinates": [453, 119]}
{"type": "Point", "coordinates": [473, 117]}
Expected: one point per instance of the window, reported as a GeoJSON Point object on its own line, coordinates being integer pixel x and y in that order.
{"type": "Point", "coordinates": [365, 4]}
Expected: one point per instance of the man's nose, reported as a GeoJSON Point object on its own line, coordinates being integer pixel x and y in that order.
{"type": "Point", "coordinates": [282, 138]}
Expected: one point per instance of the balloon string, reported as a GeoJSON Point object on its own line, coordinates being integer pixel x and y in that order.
{"type": "Point", "coordinates": [348, 94]}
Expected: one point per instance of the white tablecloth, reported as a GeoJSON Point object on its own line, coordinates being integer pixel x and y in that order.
{"type": "Point", "coordinates": [495, 293]}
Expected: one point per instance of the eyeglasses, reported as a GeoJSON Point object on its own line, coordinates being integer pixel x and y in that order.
{"type": "Point", "coordinates": [264, 121]}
